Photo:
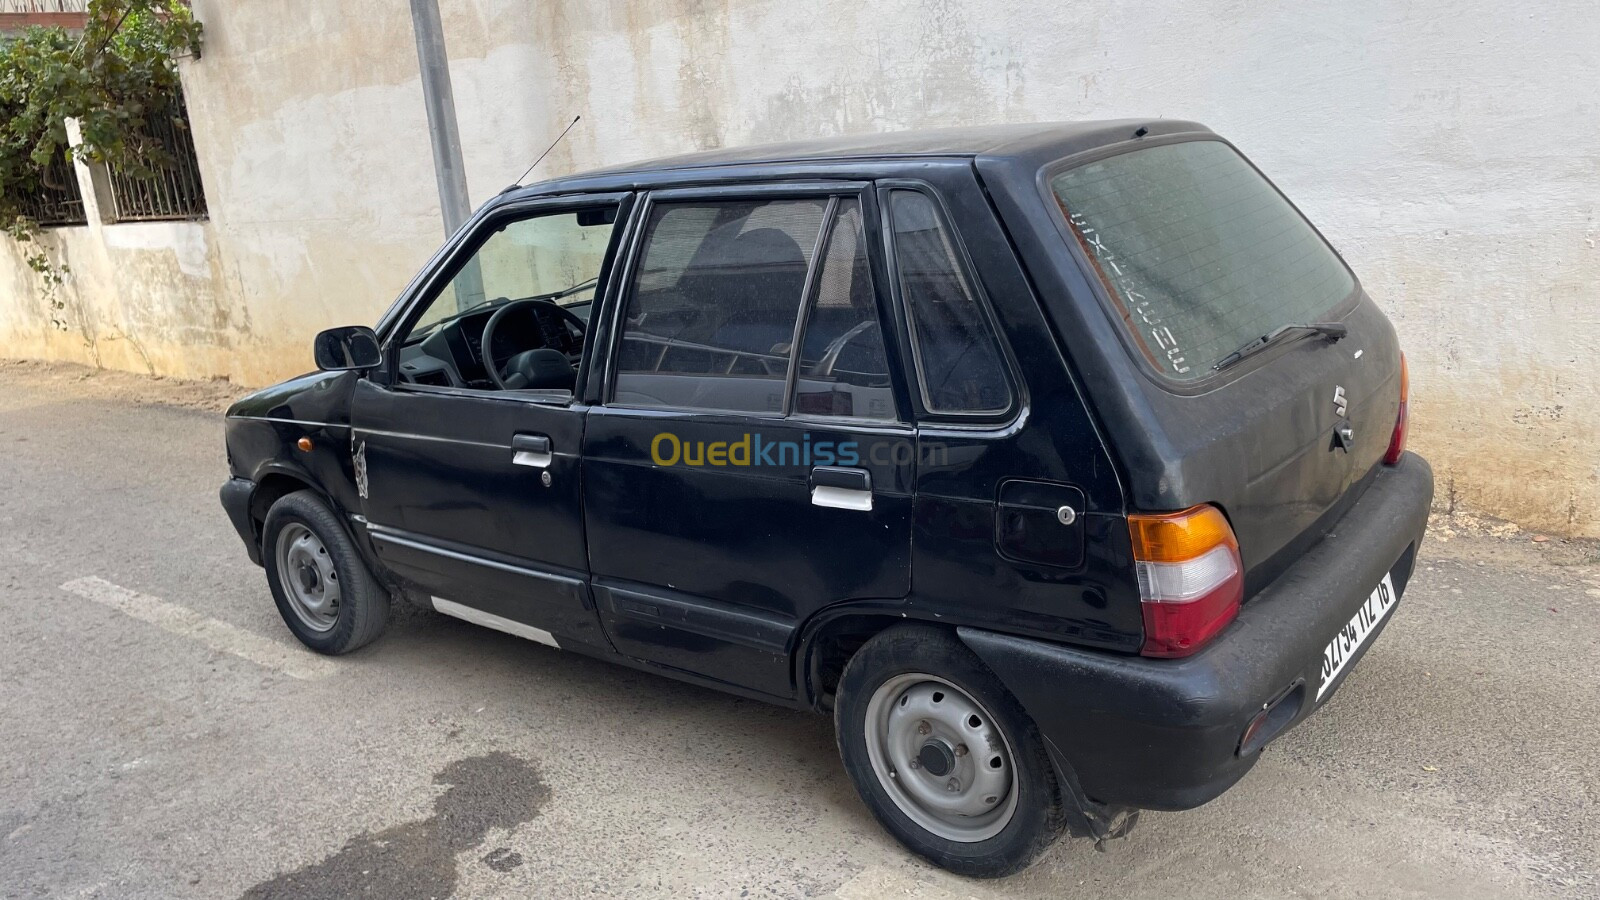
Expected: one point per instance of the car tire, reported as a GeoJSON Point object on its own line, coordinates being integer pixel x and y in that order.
{"type": "Point", "coordinates": [916, 713]}
{"type": "Point", "coordinates": [323, 588]}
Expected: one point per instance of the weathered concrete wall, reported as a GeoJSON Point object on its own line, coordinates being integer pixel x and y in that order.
{"type": "Point", "coordinates": [145, 297]}
{"type": "Point", "coordinates": [1451, 150]}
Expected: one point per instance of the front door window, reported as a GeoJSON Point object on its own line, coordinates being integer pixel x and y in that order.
{"type": "Point", "coordinates": [539, 274]}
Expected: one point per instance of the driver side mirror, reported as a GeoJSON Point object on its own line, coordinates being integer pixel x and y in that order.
{"type": "Point", "coordinates": [351, 348]}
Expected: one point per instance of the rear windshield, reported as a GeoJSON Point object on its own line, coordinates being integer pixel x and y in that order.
{"type": "Point", "coordinates": [1199, 253]}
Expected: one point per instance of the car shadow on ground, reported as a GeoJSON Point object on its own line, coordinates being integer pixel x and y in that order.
{"type": "Point", "coordinates": [422, 637]}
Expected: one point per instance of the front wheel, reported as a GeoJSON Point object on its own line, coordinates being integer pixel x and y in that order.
{"type": "Point", "coordinates": [323, 589]}
{"type": "Point", "coordinates": [944, 756]}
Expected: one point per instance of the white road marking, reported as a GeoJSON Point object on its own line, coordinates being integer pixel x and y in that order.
{"type": "Point", "coordinates": [220, 636]}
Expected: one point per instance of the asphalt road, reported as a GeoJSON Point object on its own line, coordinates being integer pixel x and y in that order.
{"type": "Point", "coordinates": [161, 735]}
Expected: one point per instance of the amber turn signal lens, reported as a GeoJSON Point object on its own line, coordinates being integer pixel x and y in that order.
{"type": "Point", "coordinates": [1180, 536]}
{"type": "Point", "coordinates": [304, 444]}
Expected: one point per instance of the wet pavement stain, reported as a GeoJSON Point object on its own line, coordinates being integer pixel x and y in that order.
{"type": "Point", "coordinates": [502, 859]}
{"type": "Point", "coordinates": [418, 859]}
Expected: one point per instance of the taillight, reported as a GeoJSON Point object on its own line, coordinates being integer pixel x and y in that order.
{"type": "Point", "coordinates": [1397, 442]}
{"type": "Point", "coordinates": [1191, 581]}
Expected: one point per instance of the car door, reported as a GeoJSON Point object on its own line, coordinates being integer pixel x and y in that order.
{"type": "Point", "coordinates": [471, 492]}
{"type": "Point", "coordinates": [749, 464]}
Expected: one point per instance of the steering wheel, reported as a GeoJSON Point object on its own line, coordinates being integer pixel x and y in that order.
{"type": "Point", "coordinates": [530, 363]}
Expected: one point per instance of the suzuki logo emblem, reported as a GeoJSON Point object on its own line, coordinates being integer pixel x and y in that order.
{"type": "Point", "coordinates": [1340, 405]}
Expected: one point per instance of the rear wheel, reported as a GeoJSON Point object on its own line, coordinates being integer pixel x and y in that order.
{"type": "Point", "coordinates": [323, 589]}
{"type": "Point", "coordinates": [944, 756]}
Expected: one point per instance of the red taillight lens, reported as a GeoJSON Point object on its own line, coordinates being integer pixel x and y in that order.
{"type": "Point", "coordinates": [1191, 581]}
{"type": "Point", "coordinates": [1397, 442]}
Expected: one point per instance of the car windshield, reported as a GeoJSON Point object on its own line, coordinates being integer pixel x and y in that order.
{"type": "Point", "coordinates": [1198, 252]}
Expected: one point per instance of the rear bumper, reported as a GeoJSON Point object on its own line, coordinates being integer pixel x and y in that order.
{"type": "Point", "coordinates": [1164, 734]}
{"type": "Point", "coordinates": [236, 493]}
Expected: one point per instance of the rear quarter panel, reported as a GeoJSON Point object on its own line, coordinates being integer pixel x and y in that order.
{"type": "Point", "coordinates": [958, 575]}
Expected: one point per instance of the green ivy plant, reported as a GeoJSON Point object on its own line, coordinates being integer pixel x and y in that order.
{"type": "Point", "coordinates": [112, 78]}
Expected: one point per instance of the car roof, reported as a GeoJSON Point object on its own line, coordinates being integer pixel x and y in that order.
{"type": "Point", "coordinates": [1053, 139]}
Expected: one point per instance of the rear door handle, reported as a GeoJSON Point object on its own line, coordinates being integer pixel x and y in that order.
{"type": "Point", "coordinates": [530, 450]}
{"type": "Point", "coordinates": [841, 488]}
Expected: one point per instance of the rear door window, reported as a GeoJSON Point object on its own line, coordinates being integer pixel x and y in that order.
{"type": "Point", "coordinates": [843, 368]}
{"type": "Point", "coordinates": [711, 320]}
{"type": "Point", "coordinates": [1199, 253]}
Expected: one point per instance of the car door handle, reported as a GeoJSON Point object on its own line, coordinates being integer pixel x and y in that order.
{"type": "Point", "coordinates": [531, 450]}
{"type": "Point", "coordinates": [841, 488]}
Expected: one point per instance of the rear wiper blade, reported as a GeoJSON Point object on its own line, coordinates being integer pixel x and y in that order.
{"type": "Point", "coordinates": [1333, 331]}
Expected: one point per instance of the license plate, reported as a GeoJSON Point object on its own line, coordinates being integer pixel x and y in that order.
{"type": "Point", "coordinates": [1348, 641]}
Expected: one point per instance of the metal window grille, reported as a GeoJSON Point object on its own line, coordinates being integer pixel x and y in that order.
{"type": "Point", "coordinates": [174, 190]}
{"type": "Point", "coordinates": [56, 202]}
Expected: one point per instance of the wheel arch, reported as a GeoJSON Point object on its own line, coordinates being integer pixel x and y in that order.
{"type": "Point", "coordinates": [273, 481]}
{"type": "Point", "coordinates": [832, 635]}
{"type": "Point", "coordinates": [271, 486]}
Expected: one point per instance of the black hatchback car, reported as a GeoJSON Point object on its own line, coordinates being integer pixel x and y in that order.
{"type": "Point", "coordinates": [1064, 464]}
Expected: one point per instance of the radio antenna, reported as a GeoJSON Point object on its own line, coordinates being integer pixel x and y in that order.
{"type": "Point", "coordinates": [547, 150]}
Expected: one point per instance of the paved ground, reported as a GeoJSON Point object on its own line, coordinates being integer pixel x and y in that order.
{"type": "Point", "coordinates": [162, 736]}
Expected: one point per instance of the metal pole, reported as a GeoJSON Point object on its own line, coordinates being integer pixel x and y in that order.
{"type": "Point", "coordinates": [441, 102]}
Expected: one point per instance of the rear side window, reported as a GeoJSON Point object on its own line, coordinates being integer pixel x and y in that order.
{"type": "Point", "coordinates": [960, 367]}
{"type": "Point", "coordinates": [1198, 252]}
{"type": "Point", "coordinates": [711, 318]}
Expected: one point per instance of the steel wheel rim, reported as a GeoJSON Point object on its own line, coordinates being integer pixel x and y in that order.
{"type": "Point", "coordinates": [941, 757]}
{"type": "Point", "coordinates": [308, 577]}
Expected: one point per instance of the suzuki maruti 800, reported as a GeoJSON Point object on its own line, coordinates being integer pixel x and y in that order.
{"type": "Point", "coordinates": [1064, 465]}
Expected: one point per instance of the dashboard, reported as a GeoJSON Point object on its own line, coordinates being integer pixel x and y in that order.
{"type": "Point", "coordinates": [452, 355]}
